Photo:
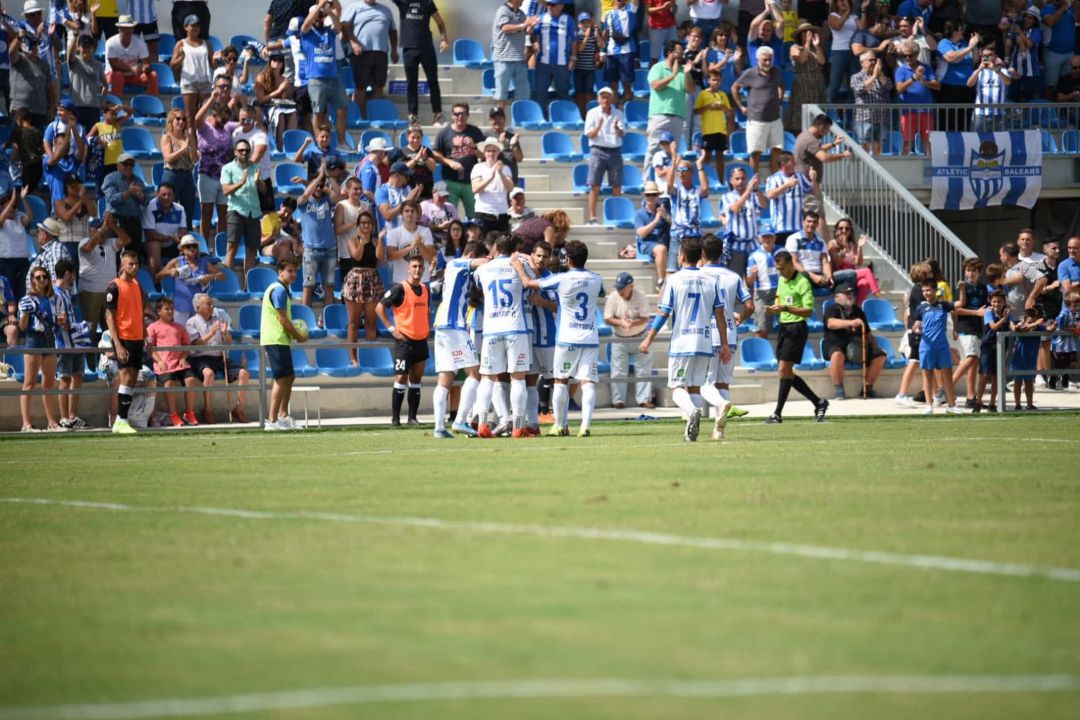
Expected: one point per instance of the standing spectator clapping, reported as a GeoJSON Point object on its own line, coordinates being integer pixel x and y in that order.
{"type": "Point", "coordinates": [605, 127]}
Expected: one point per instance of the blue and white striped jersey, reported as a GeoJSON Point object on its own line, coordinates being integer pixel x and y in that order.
{"type": "Point", "coordinates": [141, 11]}
{"type": "Point", "coordinates": [542, 322]}
{"type": "Point", "coordinates": [767, 275]}
{"type": "Point", "coordinates": [457, 280]}
{"type": "Point", "coordinates": [578, 294]}
{"type": "Point", "coordinates": [690, 298]}
{"type": "Point", "coordinates": [989, 90]}
{"type": "Point", "coordinates": [744, 223]}
{"type": "Point", "coordinates": [556, 37]}
{"type": "Point", "coordinates": [620, 22]}
{"type": "Point", "coordinates": [733, 289]}
{"type": "Point", "coordinates": [685, 211]}
{"type": "Point", "coordinates": [786, 209]}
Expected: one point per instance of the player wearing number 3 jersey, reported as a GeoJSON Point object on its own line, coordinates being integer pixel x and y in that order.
{"type": "Point", "coordinates": [693, 299]}
{"type": "Point", "coordinates": [577, 342]}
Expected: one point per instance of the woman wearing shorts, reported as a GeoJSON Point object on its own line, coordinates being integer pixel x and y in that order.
{"type": "Point", "coordinates": [362, 287]}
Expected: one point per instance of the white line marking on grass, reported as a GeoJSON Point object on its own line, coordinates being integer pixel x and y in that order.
{"type": "Point", "coordinates": [934, 562]}
{"type": "Point", "coordinates": [538, 689]}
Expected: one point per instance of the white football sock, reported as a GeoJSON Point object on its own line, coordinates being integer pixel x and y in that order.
{"type": "Point", "coordinates": [440, 398]}
{"type": "Point", "coordinates": [681, 397]}
{"type": "Point", "coordinates": [519, 400]}
{"type": "Point", "coordinates": [588, 404]}
{"type": "Point", "coordinates": [712, 395]}
{"type": "Point", "coordinates": [498, 399]}
{"type": "Point", "coordinates": [467, 399]}
{"type": "Point", "coordinates": [533, 414]}
{"type": "Point", "coordinates": [483, 399]}
{"type": "Point", "coordinates": [560, 402]}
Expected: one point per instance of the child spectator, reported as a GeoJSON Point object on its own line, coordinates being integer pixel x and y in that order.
{"type": "Point", "coordinates": [994, 273]}
{"type": "Point", "coordinates": [762, 276]}
{"type": "Point", "coordinates": [934, 357]}
{"type": "Point", "coordinates": [314, 154]}
{"type": "Point", "coordinates": [171, 366]}
{"type": "Point", "coordinates": [586, 60]}
{"type": "Point", "coordinates": [920, 272]}
{"type": "Point", "coordinates": [281, 232]}
{"type": "Point", "coordinates": [996, 317]}
{"type": "Point", "coordinates": [972, 298]}
{"type": "Point", "coordinates": [1065, 347]}
{"type": "Point", "coordinates": [1025, 355]}
{"type": "Point", "coordinates": [69, 367]}
{"type": "Point", "coordinates": [714, 107]}
{"type": "Point", "coordinates": [104, 140]}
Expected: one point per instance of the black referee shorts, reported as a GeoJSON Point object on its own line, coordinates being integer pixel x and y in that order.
{"type": "Point", "coordinates": [792, 341]}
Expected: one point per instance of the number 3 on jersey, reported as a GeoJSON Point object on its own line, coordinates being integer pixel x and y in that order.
{"type": "Point", "coordinates": [582, 313]}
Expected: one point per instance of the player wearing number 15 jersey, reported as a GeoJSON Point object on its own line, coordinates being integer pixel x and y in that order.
{"type": "Point", "coordinates": [577, 342]}
{"type": "Point", "coordinates": [507, 346]}
{"type": "Point", "coordinates": [693, 299]}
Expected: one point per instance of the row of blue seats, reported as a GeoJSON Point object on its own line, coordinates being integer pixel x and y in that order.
{"type": "Point", "coordinates": [757, 354]}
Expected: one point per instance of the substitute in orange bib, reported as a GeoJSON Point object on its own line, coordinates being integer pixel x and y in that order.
{"type": "Point", "coordinates": [410, 327]}
{"type": "Point", "coordinates": [124, 317]}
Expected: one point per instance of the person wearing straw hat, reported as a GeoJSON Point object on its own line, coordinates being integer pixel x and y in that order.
{"type": "Point", "coordinates": [491, 181]}
{"type": "Point", "coordinates": [129, 60]}
{"type": "Point", "coordinates": [50, 249]}
{"type": "Point", "coordinates": [652, 225]}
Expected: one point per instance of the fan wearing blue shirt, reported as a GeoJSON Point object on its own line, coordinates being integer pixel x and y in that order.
{"type": "Point", "coordinates": [935, 358]}
{"type": "Point", "coordinates": [319, 43]}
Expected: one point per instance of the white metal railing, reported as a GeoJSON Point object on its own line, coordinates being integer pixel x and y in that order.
{"type": "Point", "coordinates": [879, 205]}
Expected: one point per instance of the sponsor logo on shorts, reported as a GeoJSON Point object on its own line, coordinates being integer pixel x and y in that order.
{"type": "Point", "coordinates": [680, 373]}
{"type": "Point", "coordinates": [566, 366]}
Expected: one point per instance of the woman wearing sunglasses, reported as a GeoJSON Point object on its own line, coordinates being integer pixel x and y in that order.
{"type": "Point", "coordinates": [39, 322]}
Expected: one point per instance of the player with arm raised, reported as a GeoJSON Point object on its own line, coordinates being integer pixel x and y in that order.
{"type": "Point", "coordinates": [692, 299]}
{"type": "Point", "coordinates": [577, 342]}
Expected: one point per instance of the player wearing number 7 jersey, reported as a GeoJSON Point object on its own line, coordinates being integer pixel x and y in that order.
{"type": "Point", "coordinates": [506, 346]}
{"type": "Point", "coordinates": [577, 342]}
{"type": "Point", "coordinates": [693, 299]}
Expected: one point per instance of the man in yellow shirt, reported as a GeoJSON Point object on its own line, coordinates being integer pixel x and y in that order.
{"type": "Point", "coordinates": [714, 107]}
{"type": "Point", "coordinates": [106, 15]}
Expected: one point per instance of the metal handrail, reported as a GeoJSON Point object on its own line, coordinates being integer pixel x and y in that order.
{"type": "Point", "coordinates": [1001, 117]}
{"type": "Point", "coordinates": [879, 205]}
{"type": "Point", "coordinates": [1001, 352]}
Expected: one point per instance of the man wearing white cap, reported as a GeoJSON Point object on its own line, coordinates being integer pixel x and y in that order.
{"type": "Point", "coordinates": [438, 213]}
{"type": "Point", "coordinates": [519, 212]}
{"type": "Point", "coordinates": [605, 127]}
{"type": "Point", "coordinates": [35, 35]}
{"type": "Point", "coordinates": [129, 60]}
{"type": "Point", "coordinates": [373, 171]}
{"type": "Point", "coordinates": [51, 249]}
{"type": "Point", "coordinates": [30, 72]}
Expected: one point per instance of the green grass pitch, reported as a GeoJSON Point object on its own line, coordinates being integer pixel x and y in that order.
{"type": "Point", "coordinates": [626, 575]}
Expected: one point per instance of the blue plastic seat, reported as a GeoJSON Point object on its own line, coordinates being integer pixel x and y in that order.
{"type": "Point", "coordinates": [38, 208]}
{"type": "Point", "coordinates": [709, 218]}
{"type": "Point", "coordinates": [259, 278]}
{"type": "Point", "coordinates": [167, 84]}
{"type": "Point", "coordinates": [293, 140]}
{"type": "Point", "coordinates": [487, 82]}
{"type": "Point", "coordinates": [893, 143]}
{"type": "Point", "coordinates": [565, 115]}
{"type": "Point", "coordinates": [353, 118]}
{"type": "Point", "coordinates": [602, 328]}
{"type": "Point", "coordinates": [714, 182]}
{"type": "Point", "coordinates": [557, 146]}
{"type": "Point", "coordinates": [470, 53]}
{"type": "Point", "coordinates": [228, 290]}
{"type": "Point", "coordinates": [637, 114]}
{"type": "Point", "coordinates": [335, 319]}
{"type": "Point", "coordinates": [303, 312]}
{"type": "Point", "coordinates": [149, 110]}
{"type": "Point", "coordinates": [632, 181]}
{"type": "Point", "coordinates": [241, 41]}
{"type": "Point", "coordinates": [376, 361]}
{"type": "Point", "coordinates": [528, 115]}
{"type": "Point", "coordinates": [618, 212]}
{"type": "Point", "coordinates": [283, 178]}
{"type": "Point", "coordinates": [757, 354]}
{"type": "Point", "coordinates": [177, 103]}
{"type": "Point", "coordinates": [1049, 143]}
{"type": "Point", "coordinates": [881, 315]}
{"type": "Point", "coordinates": [641, 83]}
{"type": "Point", "coordinates": [737, 145]}
{"type": "Point", "coordinates": [250, 320]}
{"type": "Point", "coordinates": [302, 367]}
{"type": "Point", "coordinates": [166, 45]}
{"type": "Point", "coordinates": [810, 361]}
{"type": "Point", "coordinates": [892, 360]}
{"type": "Point", "coordinates": [18, 367]}
{"type": "Point", "coordinates": [146, 282]}
{"type": "Point", "coordinates": [580, 178]}
{"type": "Point", "coordinates": [634, 146]}
{"type": "Point", "coordinates": [1070, 142]}
{"type": "Point", "coordinates": [382, 113]}
{"type": "Point", "coordinates": [139, 143]}
{"type": "Point", "coordinates": [248, 359]}
{"type": "Point", "coordinates": [334, 361]}
{"type": "Point", "coordinates": [813, 323]}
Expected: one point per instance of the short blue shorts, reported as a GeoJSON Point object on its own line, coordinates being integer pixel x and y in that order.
{"type": "Point", "coordinates": [934, 358]}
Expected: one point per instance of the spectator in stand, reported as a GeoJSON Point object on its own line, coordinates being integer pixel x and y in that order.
{"type": "Point", "coordinates": [652, 225]}
{"type": "Point", "coordinates": [369, 29]}
{"type": "Point", "coordinates": [686, 200]}
{"type": "Point", "coordinates": [346, 212]}
{"type": "Point", "coordinates": [74, 212]}
{"type": "Point", "coordinates": [843, 23]}
{"type": "Point", "coordinates": [274, 95]}
{"type": "Point", "coordinates": [807, 56]}
{"type": "Point", "coordinates": [439, 215]}
{"type": "Point", "coordinates": [408, 239]}
{"type": "Point", "coordinates": [362, 287]}
{"type": "Point", "coordinates": [88, 82]}
{"type": "Point", "coordinates": [65, 148]}
{"type": "Point", "coordinates": [509, 34]}
{"type": "Point", "coordinates": [724, 55]}
{"type": "Point", "coordinates": [373, 170]}
{"type": "Point", "coordinates": [767, 30]}
{"type": "Point", "coordinates": [587, 58]}
{"type": "Point", "coordinates": [36, 37]}
{"type": "Point", "coordinates": [125, 197]}
{"type": "Point", "coordinates": [660, 168]}
{"type": "Point", "coordinates": [605, 127]}
{"type": "Point", "coordinates": [552, 227]}
{"type": "Point", "coordinates": [98, 254]}
{"type": "Point", "coordinates": [915, 85]}
{"type": "Point", "coordinates": [875, 39]}
{"type": "Point", "coordinates": [995, 319]}
{"type": "Point", "coordinates": [172, 367]}
{"type": "Point", "coordinates": [182, 8]}
{"type": "Point", "coordinates": [972, 302]}
{"type": "Point", "coordinates": [9, 317]}
{"type": "Point", "coordinates": [240, 182]}
{"type": "Point", "coordinates": [914, 29]}
{"type": "Point", "coordinates": [191, 63]}
{"type": "Point", "coordinates": [511, 153]}
{"type": "Point", "coordinates": [164, 223]}
{"type": "Point", "coordinates": [76, 18]}
{"type": "Point", "coordinates": [14, 250]}
{"type": "Point", "coordinates": [811, 154]}
{"type": "Point", "coordinates": [1022, 44]}
{"type": "Point", "coordinates": [762, 277]}
{"type": "Point", "coordinates": [29, 80]}
{"type": "Point", "coordinates": [281, 231]}
{"type": "Point", "coordinates": [670, 82]}
{"type": "Point", "coordinates": [810, 254]}
{"type": "Point", "coordinates": [1049, 300]}
{"type": "Point", "coordinates": [740, 210]}
{"type": "Point", "coordinates": [871, 86]}
{"type": "Point", "coordinates": [256, 138]}
{"type": "Point", "coordinates": [129, 60]}
{"type": "Point", "coordinates": [419, 159]}
{"type": "Point", "coordinates": [786, 190]}
{"type": "Point", "coordinates": [106, 139]}
{"type": "Point", "coordinates": [1060, 17]}
{"type": "Point", "coordinates": [661, 23]}
{"type": "Point", "coordinates": [193, 273]}
{"type": "Point", "coordinates": [519, 212]}
{"type": "Point", "coordinates": [704, 14]}
{"type": "Point", "coordinates": [990, 80]}
{"type": "Point", "coordinates": [392, 194]}
{"type": "Point", "coordinates": [50, 248]}
{"type": "Point", "coordinates": [716, 118]}
{"type": "Point", "coordinates": [315, 153]}
{"type": "Point", "coordinates": [457, 147]}
{"type": "Point", "coordinates": [846, 329]}
{"type": "Point", "coordinates": [618, 28]}
{"type": "Point", "coordinates": [27, 151]}
{"type": "Point", "coordinates": [418, 49]}
{"type": "Point", "coordinates": [847, 255]}
{"type": "Point", "coordinates": [319, 35]}
{"type": "Point", "coordinates": [555, 35]}
{"type": "Point", "coordinates": [491, 181]}
{"type": "Point", "coordinates": [320, 243]}
{"type": "Point", "coordinates": [39, 322]}
{"type": "Point", "coordinates": [230, 70]}
{"type": "Point", "coordinates": [180, 151]}
{"type": "Point", "coordinates": [1067, 346]}
{"type": "Point", "coordinates": [626, 312]}
{"type": "Point", "coordinates": [1025, 241]}
{"type": "Point", "coordinates": [958, 55]}
{"type": "Point", "coordinates": [212, 326]}
{"type": "Point", "coordinates": [1069, 268]}
{"type": "Point", "coordinates": [1068, 90]}
{"type": "Point", "coordinates": [765, 90]}
{"type": "Point", "coordinates": [214, 131]}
